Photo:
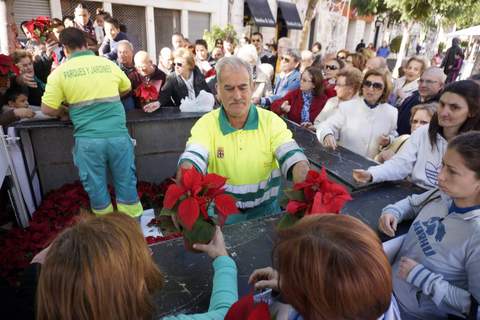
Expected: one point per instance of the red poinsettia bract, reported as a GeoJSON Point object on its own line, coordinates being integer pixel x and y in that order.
{"type": "Point", "coordinates": [39, 27]}
{"type": "Point", "coordinates": [195, 193]}
{"type": "Point", "coordinates": [246, 309]}
{"type": "Point", "coordinates": [7, 66]}
{"type": "Point", "coordinates": [320, 195]}
{"type": "Point", "coordinates": [146, 92]}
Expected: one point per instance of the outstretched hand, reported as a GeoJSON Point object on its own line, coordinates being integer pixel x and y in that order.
{"type": "Point", "coordinates": [265, 278]}
{"type": "Point", "coordinates": [216, 247]}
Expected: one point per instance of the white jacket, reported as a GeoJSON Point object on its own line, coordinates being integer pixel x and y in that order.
{"type": "Point", "coordinates": [416, 158]}
{"type": "Point", "coordinates": [358, 127]}
{"type": "Point", "coordinates": [405, 89]}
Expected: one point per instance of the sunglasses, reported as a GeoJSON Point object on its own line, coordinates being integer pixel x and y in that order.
{"type": "Point", "coordinates": [342, 57]}
{"type": "Point", "coordinates": [287, 60]}
{"type": "Point", "coordinates": [374, 85]}
{"type": "Point", "coordinates": [178, 64]}
{"type": "Point", "coordinates": [331, 67]}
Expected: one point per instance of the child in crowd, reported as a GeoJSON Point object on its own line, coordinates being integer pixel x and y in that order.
{"type": "Point", "coordinates": [113, 35]}
{"type": "Point", "coordinates": [458, 111]}
{"type": "Point", "coordinates": [17, 104]}
{"type": "Point", "coordinates": [436, 271]}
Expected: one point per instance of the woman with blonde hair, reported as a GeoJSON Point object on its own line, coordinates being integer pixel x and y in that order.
{"type": "Point", "coordinates": [186, 81]}
{"type": "Point", "coordinates": [365, 123]}
{"type": "Point", "coordinates": [102, 268]}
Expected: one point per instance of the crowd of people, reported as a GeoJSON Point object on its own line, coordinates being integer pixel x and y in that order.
{"type": "Point", "coordinates": [422, 126]}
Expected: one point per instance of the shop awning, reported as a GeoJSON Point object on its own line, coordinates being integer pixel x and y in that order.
{"type": "Point", "coordinates": [290, 15]}
{"type": "Point", "coordinates": [261, 13]}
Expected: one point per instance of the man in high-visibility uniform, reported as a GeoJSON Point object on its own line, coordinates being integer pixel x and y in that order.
{"type": "Point", "coordinates": [91, 87]}
{"type": "Point", "coordinates": [250, 146]}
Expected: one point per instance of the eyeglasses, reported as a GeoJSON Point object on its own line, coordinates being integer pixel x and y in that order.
{"type": "Point", "coordinates": [331, 67]}
{"type": "Point", "coordinates": [427, 81]}
{"type": "Point", "coordinates": [342, 57]}
{"type": "Point", "coordinates": [287, 60]}
{"type": "Point", "coordinates": [178, 64]}
{"type": "Point", "coordinates": [374, 85]}
{"type": "Point", "coordinates": [306, 80]}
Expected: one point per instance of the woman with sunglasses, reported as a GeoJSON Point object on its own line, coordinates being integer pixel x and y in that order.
{"type": "Point", "coordinates": [186, 81]}
{"type": "Point", "coordinates": [303, 105]}
{"type": "Point", "coordinates": [331, 67]}
{"type": "Point", "coordinates": [436, 270]}
{"type": "Point", "coordinates": [421, 157]}
{"type": "Point", "coordinates": [365, 123]}
{"type": "Point", "coordinates": [349, 81]}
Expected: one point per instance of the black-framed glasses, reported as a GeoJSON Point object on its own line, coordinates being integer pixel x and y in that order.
{"type": "Point", "coordinates": [306, 80]}
{"type": "Point", "coordinates": [331, 67]}
{"type": "Point", "coordinates": [374, 85]}
{"type": "Point", "coordinates": [178, 64]}
{"type": "Point", "coordinates": [287, 60]}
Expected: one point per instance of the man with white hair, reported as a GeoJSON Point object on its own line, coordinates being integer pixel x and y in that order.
{"type": "Point", "coordinates": [430, 85]}
{"type": "Point", "coordinates": [284, 44]}
{"type": "Point", "coordinates": [249, 145]}
{"type": "Point", "coordinates": [149, 73]}
{"type": "Point", "coordinates": [307, 60]}
{"type": "Point", "coordinates": [165, 60]}
{"type": "Point", "coordinates": [288, 79]}
{"type": "Point", "coordinates": [125, 62]}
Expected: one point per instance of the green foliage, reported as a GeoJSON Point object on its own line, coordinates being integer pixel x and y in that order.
{"type": "Point", "coordinates": [202, 232]}
{"type": "Point", "coordinates": [218, 33]}
{"type": "Point", "coordinates": [442, 46]}
{"type": "Point", "coordinates": [287, 221]}
{"type": "Point", "coordinates": [395, 44]}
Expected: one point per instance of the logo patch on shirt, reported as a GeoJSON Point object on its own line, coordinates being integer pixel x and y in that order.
{"type": "Point", "coordinates": [431, 172]}
{"type": "Point", "coordinates": [220, 153]}
{"type": "Point", "coordinates": [433, 227]}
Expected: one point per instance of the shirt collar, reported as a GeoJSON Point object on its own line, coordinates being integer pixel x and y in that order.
{"type": "Point", "coordinates": [250, 124]}
{"type": "Point", "coordinates": [82, 53]}
{"type": "Point", "coordinates": [371, 106]}
{"type": "Point", "coordinates": [453, 208]}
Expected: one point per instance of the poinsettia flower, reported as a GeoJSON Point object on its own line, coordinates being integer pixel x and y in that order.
{"type": "Point", "coordinates": [295, 206]}
{"type": "Point", "coordinates": [6, 65]}
{"type": "Point", "coordinates": [321, 195]}
{"type": "Point", "coordinates": [146, 92]}
{"type": "Point", "coordinates": [188, 212]}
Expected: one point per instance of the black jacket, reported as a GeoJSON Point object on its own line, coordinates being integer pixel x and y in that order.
{"type": "Point", "coordinates": [404, 114]}
{"type": "Point", "coordinates": [175, 89]}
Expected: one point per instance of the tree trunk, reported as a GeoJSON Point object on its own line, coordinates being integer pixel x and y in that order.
{"type": "Point", "coordinates": [312, 4]}
{"type": "Point", "coordinates": [476, 66]}
{"type": "Point", "coordinates": [406, 26]}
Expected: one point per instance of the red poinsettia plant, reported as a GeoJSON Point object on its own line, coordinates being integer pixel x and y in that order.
{"type": "Point", "coordinates": [316, 195]}
{"type": "Point", "coordinates": [146, 93]}
{"type": "Point", "coordinates": [7, 67]}
{"type": "Point", "coordinates": [190, 199]}
{"type": "Point", "coordinates": [39, 28]}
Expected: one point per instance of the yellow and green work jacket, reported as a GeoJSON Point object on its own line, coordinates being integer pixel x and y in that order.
{"type": "Point", "coordinates": [90, 87]}
{"type": "Point", "coordinates": [252, 158]}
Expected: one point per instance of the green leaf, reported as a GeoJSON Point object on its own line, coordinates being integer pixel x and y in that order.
{"type": "Point", "coordinates": [202, 232]}
{"type": "Point", "coordinates": [287, 221]}
{"type": "Point", "coordinates": [294, 194]}
{"type": "Point", "coordinates": [167, 212]}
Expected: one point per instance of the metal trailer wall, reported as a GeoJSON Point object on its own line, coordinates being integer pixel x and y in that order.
{"type": "Point", "coordinates": [160, 139]}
